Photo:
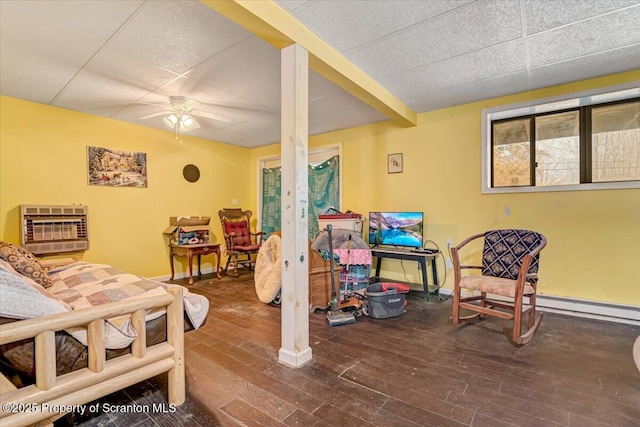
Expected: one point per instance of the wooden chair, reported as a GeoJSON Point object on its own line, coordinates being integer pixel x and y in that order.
{"type": "Point", "coordinates": [509, 272]}
{"type": "Point", "coordinates": [240, 242]}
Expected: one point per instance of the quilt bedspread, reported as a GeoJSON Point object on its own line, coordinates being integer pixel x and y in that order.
{"type": "Point", "coordinates": [82, 285]}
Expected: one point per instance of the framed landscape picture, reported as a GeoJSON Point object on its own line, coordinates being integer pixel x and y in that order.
{"type": "Point", "coordinates": [116, 168]}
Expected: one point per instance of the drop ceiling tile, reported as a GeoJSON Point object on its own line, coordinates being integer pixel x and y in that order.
{"type": "Point", "coordinates": [20, 88]}
{"type": "Point", "coordinates": [315, 129]}
{"type": "Point", "coordinates": [337, 104]}
{"type": "Point", "coordinates": [595, 35]}
{"type": "Point", "coordinates": [494, 61]}
{"type": "Point", "coordinates": [250, 69]}
{"type": "Point", "coordinates": [257, 126]}
{"type": "Point", "coordinates": [320, 86]}
{"type": "Point", "coordinates": [129, 70]}
{"type": "Point", "coordinates": [79, 96]}
{"type": "Point", "coordinates": [468, 28]}
{"type": "Point", "coordinates": [348, 24]}
{"type": "Point", "coordinates": [220, 135]}
{"type": "Point", "coordinates": [291, 5]}
{"type": "Point", "coordinates": [94, 21]}
{"type": "Point", "coordinates": [544, 15]}
{"type": "Point", "coordinates": [177, 35]}
{"type": "Point", "coordinates": [258, 141]}
{"type": "Point", "coordinates": [587, 67]}
{"type": "Point", "coordinates": [112, 75]}
{"type": "Point", "coordinates": [470, 92]}
{"type": "Point", "coordinates": [237, 109]}
{"type": "Point", "coordinates": [40, 54]}
{"type": "Point", "coordinates": [99, 105]}
{"type": "Point", "coordinates": [352, 119]}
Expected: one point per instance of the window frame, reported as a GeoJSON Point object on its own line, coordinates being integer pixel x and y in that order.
{"type": "Point", "coordinates": [574, 101]}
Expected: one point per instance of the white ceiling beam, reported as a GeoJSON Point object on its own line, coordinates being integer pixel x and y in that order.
{"type": "Point", "coordinates": [272, 23]}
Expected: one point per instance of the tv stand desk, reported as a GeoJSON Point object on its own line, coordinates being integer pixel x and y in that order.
{"type": "Point", "coordinates": [420, 257]}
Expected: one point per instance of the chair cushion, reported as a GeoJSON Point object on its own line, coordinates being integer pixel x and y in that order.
{"type": "Point", "coordinates": [494, 285]}
{"type": "Point", "coordinates": [504, 250]}
{"type": "Point", "coordinates": [241, 232]}
{"type": "Point", "coordinates": [247, 248]}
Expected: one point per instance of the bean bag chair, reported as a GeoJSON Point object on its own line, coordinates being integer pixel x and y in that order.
{"type": "Point", "coordinates": [636, 352]}
{"type": "Point", "coordinates": [268, 272]}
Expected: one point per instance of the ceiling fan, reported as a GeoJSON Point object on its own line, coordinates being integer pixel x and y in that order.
{"type": "Point", "coordinates": [181, 112]}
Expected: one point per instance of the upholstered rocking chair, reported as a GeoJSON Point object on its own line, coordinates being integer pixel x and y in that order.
{"type": "Point", "coordinates": [509, 273]}
{"type": "Point", "coordinates": [240, 242]}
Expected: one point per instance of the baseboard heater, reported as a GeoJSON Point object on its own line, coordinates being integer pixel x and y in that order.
{"type": "Point", "coordinates": [610, 312]}
{"type": "Point", "coordinates": [592, 309]}
{"type": "Point", "coordinates": [53, 229]}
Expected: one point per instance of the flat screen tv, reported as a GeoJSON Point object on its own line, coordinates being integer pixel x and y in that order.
{"type": "Point", "coordinates": [399, 229]}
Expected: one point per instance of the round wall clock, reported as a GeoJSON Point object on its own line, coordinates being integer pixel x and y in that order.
{"type": "Point", "coordinates": [191, 173]}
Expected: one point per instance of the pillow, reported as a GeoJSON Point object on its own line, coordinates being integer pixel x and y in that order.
{"type": "Point", "coordinates": [25, 263]}
{"type": "Point", "coordinates": [22, 298]}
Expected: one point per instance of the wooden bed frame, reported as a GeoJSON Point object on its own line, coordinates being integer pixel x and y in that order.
{"type": "Point", "coordinates": [38, 402]}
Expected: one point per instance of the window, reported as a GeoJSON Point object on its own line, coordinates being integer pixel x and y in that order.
{"type": "Point", "coordinates": [587, 141]}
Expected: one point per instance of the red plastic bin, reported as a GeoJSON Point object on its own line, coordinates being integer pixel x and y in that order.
{"type": "Point", "coordinates": [399, 287]}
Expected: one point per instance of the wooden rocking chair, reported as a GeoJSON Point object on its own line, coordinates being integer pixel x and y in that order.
{"type": "Point", "coordinates": [509, 271]}
{"type": "Point", "coordinates": [240, 242]}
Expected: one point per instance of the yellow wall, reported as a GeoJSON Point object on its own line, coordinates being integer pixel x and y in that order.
{"type": "Point", "coordinates": [43, 160]}
{"type": "Point", "coordinates": [593, 236]}
{"type": "Point", "coordinates": [592, 252]}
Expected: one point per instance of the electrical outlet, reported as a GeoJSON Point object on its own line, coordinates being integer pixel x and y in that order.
{"type": "Point", "coordinates": [448, 262]}
{"type": "Point", "coordinates": [234, 202]}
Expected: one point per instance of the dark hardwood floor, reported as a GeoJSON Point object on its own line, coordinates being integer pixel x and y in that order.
{"type": "Point", "coordinates": [413, 370]}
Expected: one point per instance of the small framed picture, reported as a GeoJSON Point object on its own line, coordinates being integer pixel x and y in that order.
{"type": "Point", "coordinates": [394, 163]}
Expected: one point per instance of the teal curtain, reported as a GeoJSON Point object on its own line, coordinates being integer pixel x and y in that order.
{"type": "Point", "coordinates": [324, 191]}
{"type": "Point", "coordinates": [271, 185]}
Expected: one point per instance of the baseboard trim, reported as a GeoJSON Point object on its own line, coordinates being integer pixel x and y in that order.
{"type": "Point", "coordinates": [294, 358]}
{"type": "Point", "coordinates": [619, 313]}
{"type": "Point", "coordinates": [184, 275]}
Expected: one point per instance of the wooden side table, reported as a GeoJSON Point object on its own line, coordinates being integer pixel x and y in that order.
{"type": "Point", "coordinates": [191, 250]}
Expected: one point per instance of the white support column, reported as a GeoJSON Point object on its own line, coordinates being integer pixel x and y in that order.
{"type": "Point", "coordinates": [295, 349]}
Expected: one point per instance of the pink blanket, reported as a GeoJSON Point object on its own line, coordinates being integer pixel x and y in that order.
{"type": "Point", "coordinates": [354, 256]}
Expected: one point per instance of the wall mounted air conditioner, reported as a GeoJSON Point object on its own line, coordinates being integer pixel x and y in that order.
{"type": "Point", "coordinates": [50, 229]}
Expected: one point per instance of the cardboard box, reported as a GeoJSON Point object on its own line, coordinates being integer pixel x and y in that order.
{"type": "Point", "coordinates": [191, 230]}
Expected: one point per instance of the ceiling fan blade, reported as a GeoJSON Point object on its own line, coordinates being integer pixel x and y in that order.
{"type": "Point", "coordinates": [211, 116]}
{"type": "Point", "coordinates": [165, 106]}
{"type": "Point", "coordinates": [163, 113]}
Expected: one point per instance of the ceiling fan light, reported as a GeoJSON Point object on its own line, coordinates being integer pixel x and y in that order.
{"type": "Point", "coordinates": [170, 120]}
{"type": "Point", "coordinates": [187, 122]}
